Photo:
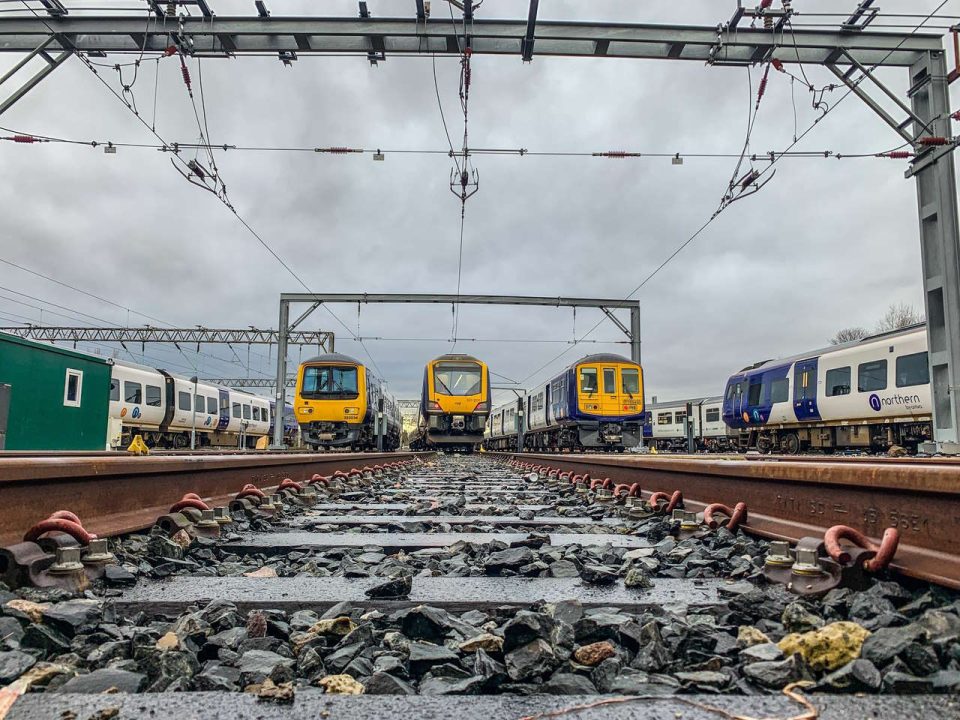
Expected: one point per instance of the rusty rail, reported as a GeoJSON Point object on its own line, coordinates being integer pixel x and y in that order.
{"type": "Point", "coordinates": [790, 499]}
{"type": "Point", "coordinates": [123, 493]}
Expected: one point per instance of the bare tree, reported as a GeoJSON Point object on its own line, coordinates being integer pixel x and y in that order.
{"type": "Point", "coordinates": [899, 316]}
{"type": "Point", "coordinates": [848, 334]}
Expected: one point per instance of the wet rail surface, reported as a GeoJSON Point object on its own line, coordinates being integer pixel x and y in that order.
{"type": "Point", "coordinates": [466, 576]}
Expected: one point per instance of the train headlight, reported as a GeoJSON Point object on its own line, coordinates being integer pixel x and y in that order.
{"type": "Point", "coordinates": [351, 411]}
{"type": "Point", "coordinates": [433, 406]}
{"type": "Point", "coordinates": [481, 407]}
{"type": "Point", "coordinates": [306, 410]}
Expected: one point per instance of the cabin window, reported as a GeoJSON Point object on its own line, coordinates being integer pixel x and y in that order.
{"type": "Point", "coordinates": [329, 382]}
{"type": "Point", "coordinates": [72, 387]}
{"type": "Point", "coordinates": [913, 370]}
{"type": "Point", "coordinates": [154, 396]}
{"type": "Point", "coordinates": [664, 418]}
{"type": "Point", "coordinates": [133, 392]}
{"type": "Point", "coordinates": [780, 390]}
{"type": "Point", "coordinates": [755, 394]}
{"type": "Point", "coordinates": [183, 400]}
{"type": "Point", "coordinates": [610, 380]}
{"type": "Point", "coordinates": [681, 417]}
{"type": "Point", "coordinates": [712, 415]}
{"type": "Point", "coordinates": [872, 376]}
{"type": "Point", "coordinates": [211, 406]}
{"type": "Point", "coordinates": [733, 389]}
{"type": "Point", "coordinates": [114, 390]}
{"type": "Point", "coordinates": [588, 380]}
{"type": "Point", "coordinates": [456, 380]}
{"type": "Point", "coordinates": [199, 403]}
{"type": "Point", "coordinates": [838, 381]}
{"type": "Point", "coordinates": [630, 381]}
{"type": "Point", "coordinates": [236, 410]}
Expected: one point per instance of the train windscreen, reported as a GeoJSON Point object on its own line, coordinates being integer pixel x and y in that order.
{"type": "Point", "coordinates": [328, 382]}
{"type": "Point", "coordinates": [459, 380]}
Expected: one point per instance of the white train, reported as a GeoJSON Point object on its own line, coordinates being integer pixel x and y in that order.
{"type": "Point", "coordinates": [869, 394]}
{"type": "Point", "coordinates": [665, 426]}
{"type": "Point", "coordinates": [164, 409]}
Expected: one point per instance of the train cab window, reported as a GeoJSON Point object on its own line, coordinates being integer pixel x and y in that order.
{"type": "Point", "coordinates": [329, 382]}
{"type": "Point", "coordinates": [838, 381]}
{"type": "Point", "coordinates": [72, 385]}
{"type": "Point", "coordinates": [913, 370]}
{"type": "Point", "coordinates": [457, 380]}
{"type": "Point", "coordinates": [588, 380]}
{"type": "Point", "coordinates": [630, 381]}
{"type": "Point", "coordinates": [755, 394]}
{"type": "Point", "coordinates": [733, 390]}
{"type": "Point", "coordinates": [664, 418]}
{"type": "Point", "coordinates": [680, 418]}
{"type": "Point", "coordinates": [199, 403]}
{"type": "Point", "coordinates": [780, 390]}
{"type": "Point", "coordinates": [154, 396]}
{"type": "Point", "coordinates": [872, 376]}
{"type": "Point", "coordinates": [114, 390]}
{"type": "Point", "coordinates": [236, 410]}
{"type": "Point", "coordinates": [246, 412]}
{"type": "Point", "coordinates": [183, 400]}
{"type": "Point", "coordinates": [610, 380]}
{"type": "Point", "coordinates": [133, 392]}
{"type": "Point", "coordinates": [712, 415]}
{"type": "Point", "coordinates": [256, 413]}
{"type": "Point", "coordinates": [211, 406]}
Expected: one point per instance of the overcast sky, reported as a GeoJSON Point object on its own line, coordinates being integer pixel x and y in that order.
{"type": "Point", "coordinates": [825, 244]}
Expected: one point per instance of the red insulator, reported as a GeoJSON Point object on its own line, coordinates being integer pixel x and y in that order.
{"type": "Point", "coordinates": [884, 551]}
{"type": "Point", "coordinates": [24, 139]}
{"type": "Point", "coordinates": [65, 515]}
{"type": "Point", "coordinates": [188, 503]}
{"type": "Point", "coordinates": [763, 84]}
{"type": "Point", "coordinates": [764, 4]}
{"type": "Point", "coordinates": [734, 517]}
{"type": "Point", "coordinates": [897, 154]}
{"type": "Point", "coordinates": [955, 116]}
{"type": "Point", "coordinates": [777, 65]}
{"type": "Point", "coordinates": [288, 484]}
{"type": "Point", "coordinates": [171, 50]}
{"type": "Point", "coordinates": [934, 140]}
{"type": "Point", "coordinates": [186, 73]}
{"type": "Point", "coordinates": [72, 529]}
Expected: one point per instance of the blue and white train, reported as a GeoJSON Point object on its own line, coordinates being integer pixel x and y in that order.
{"type": "Point", "coordinates": [868, 394]}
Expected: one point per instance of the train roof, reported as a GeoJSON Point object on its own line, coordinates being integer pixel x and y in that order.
{"type": "Point", "coordinates": [909, 330]}
{"type": "Point", "coordinates": [674, 403]}
{"type": "Point", "coordinates": [602, 357]}
{"type": "Point", "coordinates": [333, 358]}
{"type": "Point", "coordinates": [459, 357]}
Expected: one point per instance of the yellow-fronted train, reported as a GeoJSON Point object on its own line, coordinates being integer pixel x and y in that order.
{"type": "Point", "coordinates": [341, 404]}
{"type": "Point", "coordinates": [454, 404]}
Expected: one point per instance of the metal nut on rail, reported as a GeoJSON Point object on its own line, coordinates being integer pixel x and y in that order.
{"type": "Point", "coordinates": [221, 515]}
{"type": "Point", "coordinates": [207, 525]}
{"type": "Point", "coordinates": [687, 524]}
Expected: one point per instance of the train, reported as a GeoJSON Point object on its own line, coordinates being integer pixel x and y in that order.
{"type": "Point", "coordinates": [665, 425]}
{"type": "Point", "coordinates": [454, 404]}
{"type": "Point", "coordinates": [166, 409]}
{"type": "Point", "coordinates": [340, 403]}
{"type": "Point", "coordinates": [870, 394]}
{"type": "Point", "coordinates": [594, 404]}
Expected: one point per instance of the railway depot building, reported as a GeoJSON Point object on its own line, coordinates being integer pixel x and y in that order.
{"type": "Point", "coordinates": [51, 398]}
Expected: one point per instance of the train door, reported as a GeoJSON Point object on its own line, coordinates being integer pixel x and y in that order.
{"type": "Point", "coordinates": [547, 409]}
{"type": "Point", "coordinates": [610, 392]}
{"type": "Point", "coordinates": [805, 390]}
{"type": "Point", "coordinates": [224, 418]}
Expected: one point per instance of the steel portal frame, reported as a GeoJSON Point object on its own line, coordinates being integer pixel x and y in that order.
{"type": "Point", "coordinates": [175, 336]}
{"type": "Point", "coordinates": [315, 300]}
{"type": "Point", "coordinates": [846, 51]}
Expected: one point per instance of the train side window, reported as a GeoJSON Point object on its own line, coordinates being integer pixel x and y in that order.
{"type": "Point", "coordinates": [199, 403]}
{"type": "Point", "coordinates": [154, 396]}
{"type": "Point", "coordinates": [681, 417]}
{"type": "Point", "coordinates": [246, 412]}
{"type": "Point", "coordinates": [913, 370]}
{"type": "Point", "coordinates": [236, 410]}
{"type": "Point", "coordinates": [72, 387]}
{"type": "Point", "coordinates": [630, 382]}
{"type": "Point", "coordinates": [183, 400]}
{"type": "Point", "coordinates": [588, 380]}
{"type": "Point", "coordinates": [256, 413]}
{"type": "Point", "coordinates": [755, 393]}
{"type": "Point", "coordinates": [665, 418]}
{"type": "Point", "coordinates": [610, 380]}
{"type": "Point", "coordinates": [780, 390]}
{"type": "Point", "coordinates": [712, 415]}
{"type": "Point", "coordinates": [211, 406]}
{"type": "Point", "coordinates": [838, 381]}
{"type": "Point", "coordinates": [114, 390]}
{"type": "Point", "coordinates": [872, 376]}
{"type": "Point", "coordinates": [133, 392]}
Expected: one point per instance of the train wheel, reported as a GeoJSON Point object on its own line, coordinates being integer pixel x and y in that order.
{"type": "Point", "coordinates": [790, 444]}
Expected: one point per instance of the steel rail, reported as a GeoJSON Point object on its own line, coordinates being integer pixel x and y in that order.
{"type": "Point", "coordinates": [124, 493]}
{"type": "Point", "coordinates": [788, 500]}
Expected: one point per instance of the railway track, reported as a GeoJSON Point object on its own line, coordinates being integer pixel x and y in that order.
{"type": "Point", "coordinates": [466, 575]}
